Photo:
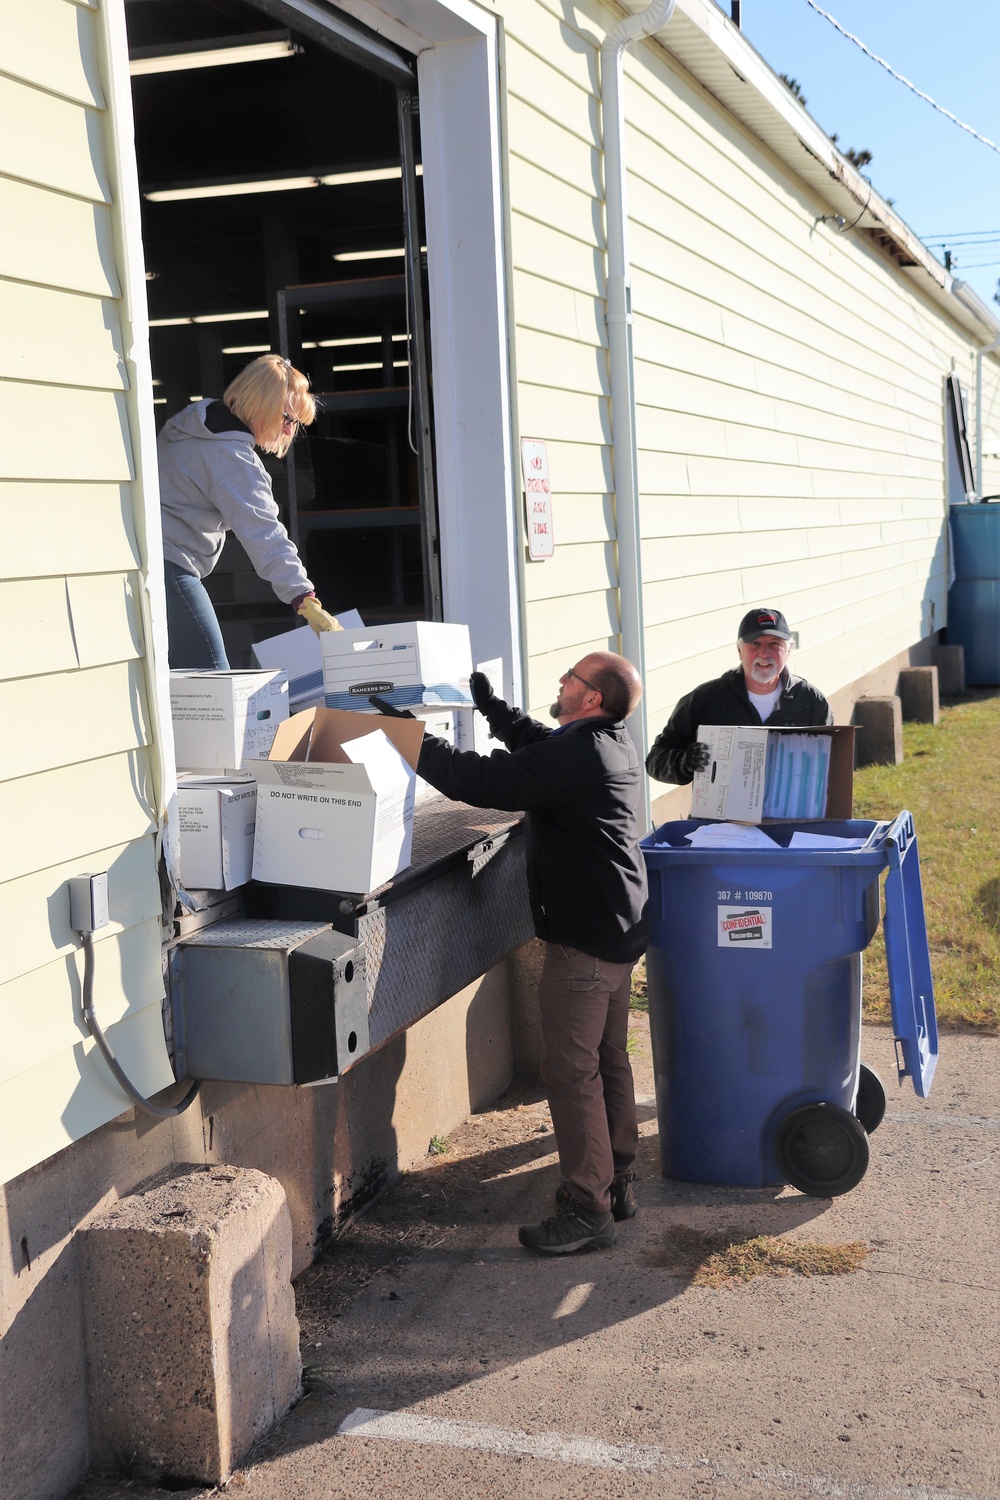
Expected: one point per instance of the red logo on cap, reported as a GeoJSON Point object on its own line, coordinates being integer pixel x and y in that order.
{"type": "Point", "coordinates": [765, 617]}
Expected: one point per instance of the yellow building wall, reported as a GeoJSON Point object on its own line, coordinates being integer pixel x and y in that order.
{"type": "Point", "coordinates": [78, 759]}
{"type": "Point", "coordinates": [789, 382]}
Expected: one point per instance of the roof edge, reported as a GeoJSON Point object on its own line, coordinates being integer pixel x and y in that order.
{"type": "Point", "coordinates": [840, 183]}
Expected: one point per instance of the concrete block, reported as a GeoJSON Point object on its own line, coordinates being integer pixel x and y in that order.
{"type": "Point", "coordinates": [879, 740]}
{"type": "Point", "coordinates": [950, 663]}
{"type": "Point", "coordinates": [192, 1339]}
{"type": "Point", "coordinates": [918, 694]}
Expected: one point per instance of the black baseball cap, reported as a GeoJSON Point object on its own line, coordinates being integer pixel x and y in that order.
{"type": "Point", "coordinates": [764, 622]}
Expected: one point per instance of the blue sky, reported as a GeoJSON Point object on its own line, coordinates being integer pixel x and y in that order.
{"type": "Point", "coordinates": [944, 183]}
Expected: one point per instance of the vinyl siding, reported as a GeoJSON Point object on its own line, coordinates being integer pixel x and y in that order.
{"type": "Point", "coordinates": [79, 752]}
{"type": "Point", "coordinates": [789, 382]}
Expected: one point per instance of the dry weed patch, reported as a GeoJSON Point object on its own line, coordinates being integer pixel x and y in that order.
{"type": "Point", "coordinates": [720, 1258]}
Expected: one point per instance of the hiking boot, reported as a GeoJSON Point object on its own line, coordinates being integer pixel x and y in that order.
{"type": "Point", "coordinates": [623, 1204]}
{"type": "Point", "coordinates": [572, 1227]}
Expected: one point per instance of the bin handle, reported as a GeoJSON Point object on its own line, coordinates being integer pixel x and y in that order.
{"type": "Point", "coordinates": [901, 835]}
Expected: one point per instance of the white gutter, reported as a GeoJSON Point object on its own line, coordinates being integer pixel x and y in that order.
{"type": "Point", "coordinates": [622, 370]}
{"type": "Point", "coordinates": [975, 304]}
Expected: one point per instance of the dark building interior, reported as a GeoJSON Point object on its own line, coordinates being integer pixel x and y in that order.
{"type": "Point", "coordinates": [239, 262]}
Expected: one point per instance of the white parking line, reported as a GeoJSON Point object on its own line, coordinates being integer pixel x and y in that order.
{"type": "Point", "coordinates": [438, 1432]}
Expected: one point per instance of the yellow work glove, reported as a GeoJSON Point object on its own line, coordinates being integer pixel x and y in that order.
{"type": "Point", "coordinates": [316, 616]}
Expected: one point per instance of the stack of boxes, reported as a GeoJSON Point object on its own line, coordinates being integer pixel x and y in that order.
{"type": "Point", "coordinates": [324, 798]}
{"type": "Point", "coordinates": [223, 721]}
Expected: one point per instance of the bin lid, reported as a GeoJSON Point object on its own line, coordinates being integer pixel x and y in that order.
{"type": "Point", "coordinates": [911, 988]}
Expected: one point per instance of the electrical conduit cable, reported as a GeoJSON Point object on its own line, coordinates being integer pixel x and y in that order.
{"type": "Point", "coordinates": [162, 1112]}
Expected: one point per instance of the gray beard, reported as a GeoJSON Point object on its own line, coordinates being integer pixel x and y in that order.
{"type": "Point", "coordinates": [555, 709]}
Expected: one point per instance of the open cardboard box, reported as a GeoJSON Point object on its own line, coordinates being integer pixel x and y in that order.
{"type": "Point", "coordinates": [335, 800]}
{"type": "Point", "coordinates": [732, 787]}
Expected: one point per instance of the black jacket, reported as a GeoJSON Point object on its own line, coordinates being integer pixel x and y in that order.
{"type": "Point", "coordinates": [725, 700]}
{"type": "Point", "coordinates": [582, 791]}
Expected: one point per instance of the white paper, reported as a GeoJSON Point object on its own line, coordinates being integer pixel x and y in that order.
{"type": "Point", "coordinates": [375, 751]}
{"type": "Point", "coordinates": [800, 840]}
{"type": "Point", "coordinates": [729, 836]}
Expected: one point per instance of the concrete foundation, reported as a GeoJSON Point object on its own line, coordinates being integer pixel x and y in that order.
{"type": "Point", "coordinates": [918, 694]}
{"type": "Point", "coordinates": [332, 1149]}
{"type": "Point", "coordinates": [192, 1338]}
{"type": "Point", "coordinates": [879, 740]}
{"type": "Point", "coordinates": [950, 663]}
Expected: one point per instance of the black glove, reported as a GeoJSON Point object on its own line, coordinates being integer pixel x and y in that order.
{"type": "Point", "coordinates": [481, 688]}
{"type": "Point", "coordinates": [389, 709]}
{"type": "Point", "coordinates": [695, 758]}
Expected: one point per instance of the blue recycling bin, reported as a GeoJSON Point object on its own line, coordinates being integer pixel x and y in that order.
{"type": "Point", "coordinates": [974, 596]}
{"type": "Point", "coordinates": [754, 981]}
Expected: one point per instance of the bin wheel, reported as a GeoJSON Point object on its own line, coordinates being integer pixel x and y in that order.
{"type": "Point", "coordinates": [870, 1103]}
{"type": "Point", "coordinates": [822, 1150]}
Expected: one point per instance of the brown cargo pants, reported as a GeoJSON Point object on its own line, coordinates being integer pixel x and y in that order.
{"type": "Point", "coordinates": [584, 1005]}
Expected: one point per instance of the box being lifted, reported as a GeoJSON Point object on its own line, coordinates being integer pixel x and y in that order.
{"type": "Point", "coordinates": [335, 801]}
{"type": "Point", "coordinates": [223, 719]}
{"type": "Point", "coordinates": [215, 820]}
{"type": "Point", "coordinates": [421, 662]}
{"type": "Point", "coordinates": [760, 774]}
{"type": "Point", "coordinates": [296, 652]}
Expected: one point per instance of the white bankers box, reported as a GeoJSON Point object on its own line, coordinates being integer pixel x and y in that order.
{"type": "Point", "coordinates": [223, 719]}
{"type": "Point", "coordinates": [419, 663]}
{"type": "Point", "coordinates": [215, 819]}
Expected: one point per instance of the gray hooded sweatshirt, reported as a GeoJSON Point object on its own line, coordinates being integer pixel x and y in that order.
{"type": "Point", "coordinates": [211, 483]}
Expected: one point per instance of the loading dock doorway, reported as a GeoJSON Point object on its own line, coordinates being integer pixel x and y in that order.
{"type": "Point", "coordinates": [282, 209]}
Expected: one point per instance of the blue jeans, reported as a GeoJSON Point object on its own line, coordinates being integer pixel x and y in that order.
{"type": "Point", "coordinates": [193, 632]}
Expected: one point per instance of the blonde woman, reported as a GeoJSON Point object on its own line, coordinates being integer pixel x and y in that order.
{"type": "Point", "coordinates": [211, 482]}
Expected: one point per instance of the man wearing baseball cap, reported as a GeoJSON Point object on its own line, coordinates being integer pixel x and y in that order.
{"type": "Point", "coordinates": [760, 690]}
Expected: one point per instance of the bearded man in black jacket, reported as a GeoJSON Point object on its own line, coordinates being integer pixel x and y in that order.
{"type": "Point", "coordinates": [581, 788]}
{"type": "Point", "coordinates": [760, 690]}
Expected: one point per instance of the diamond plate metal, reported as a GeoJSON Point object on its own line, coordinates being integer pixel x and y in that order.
{"type": "Point", "coordinates": [425, 947]}
{"type": "Point", "coordinates": [255, 933]}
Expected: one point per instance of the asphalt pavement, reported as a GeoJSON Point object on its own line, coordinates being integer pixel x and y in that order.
{"type": "Point", "coordinates": [466, 1366]}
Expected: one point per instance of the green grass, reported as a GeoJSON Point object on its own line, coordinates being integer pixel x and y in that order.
{"type": "Point", "coordinates": [948, 781]}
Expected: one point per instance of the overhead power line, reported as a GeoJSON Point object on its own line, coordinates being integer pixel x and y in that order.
{"type": "Point", "coordinates": [919, 92]}
{"type": "Point", "coordinates": [962, 237]}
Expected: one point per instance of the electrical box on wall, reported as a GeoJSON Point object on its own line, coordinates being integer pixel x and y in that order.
{"type": "Point", "coordinates": [268, 1002]}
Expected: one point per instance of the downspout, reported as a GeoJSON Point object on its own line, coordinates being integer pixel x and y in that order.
{"type": "Point", "coordinates": [620, 359]}
{"type": "Point", "coordinates": [965, 294]}
{"type": "Point", "coordinates": [984, 349]}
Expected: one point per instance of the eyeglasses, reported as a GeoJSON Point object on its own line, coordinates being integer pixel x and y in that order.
{"type": "Point", "coordinates": [592, 685]}
{"type": "Point", "coordinates": [768, 643]}
{"type": "Point", "coordinates": [289, 421]}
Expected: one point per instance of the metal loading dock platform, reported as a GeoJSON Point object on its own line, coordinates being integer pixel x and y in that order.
{"type": "Point", "coordinates": [457, 910]}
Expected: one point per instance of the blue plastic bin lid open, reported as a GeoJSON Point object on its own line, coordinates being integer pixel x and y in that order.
{"type": "Point", "coordinates": [911, 989]}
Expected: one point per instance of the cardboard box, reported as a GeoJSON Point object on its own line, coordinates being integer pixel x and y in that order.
{"type": "Point", "coordinates": [421, 662]}
{"type": "Point", "coordinates": [335, 801]}
{"type": "Point", "coordinates": [441, 722]}
{"type": "Point", "coordinates": [223, 719]}
{"type": "Point", "coordinates": [732, 787]}
{"type": "Point", "coordinates": [215, 819]}
{"type": "Point", "coordinates": [296, 652]}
